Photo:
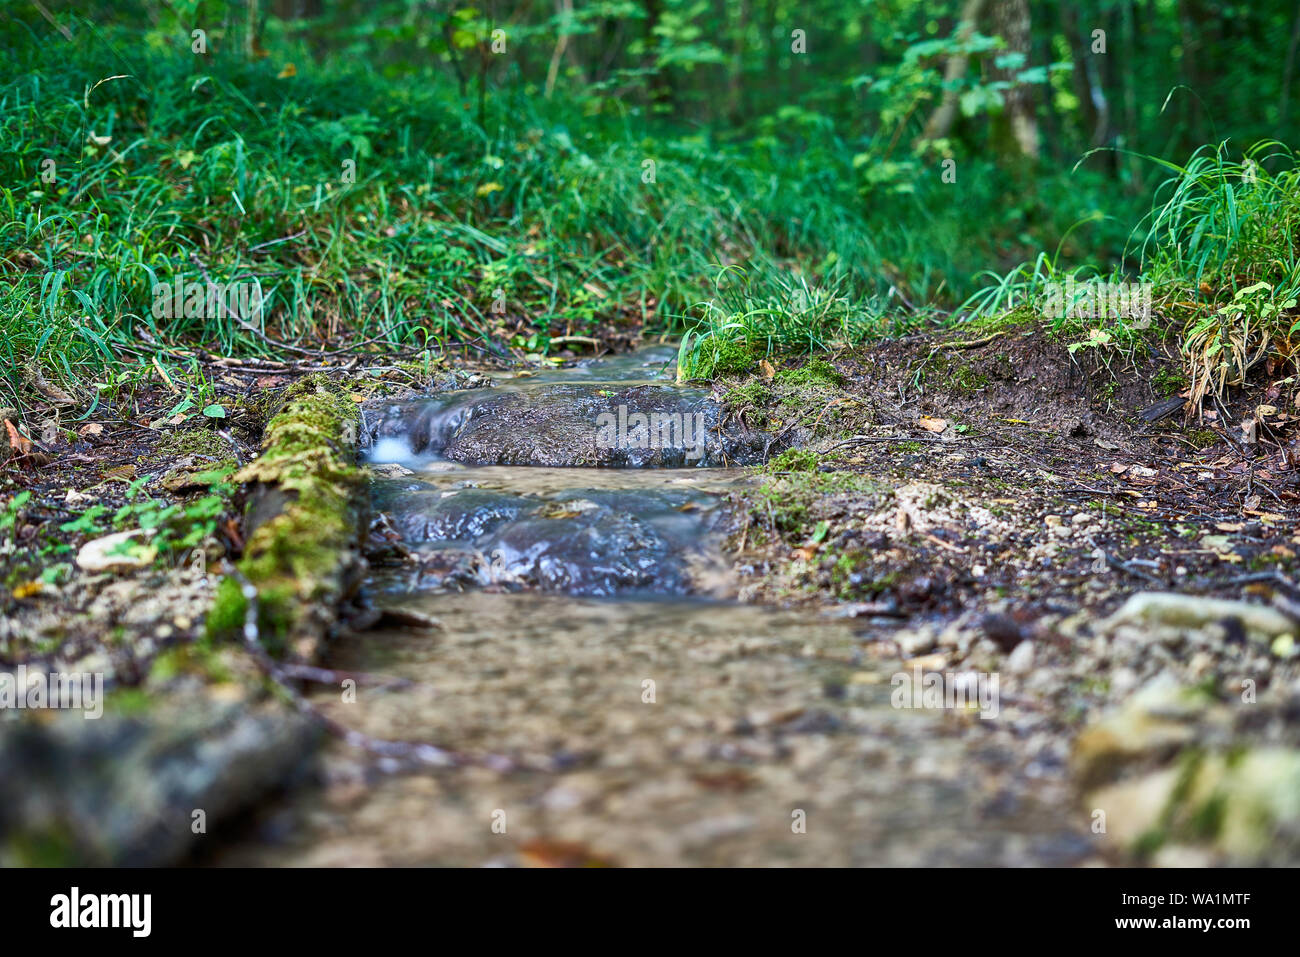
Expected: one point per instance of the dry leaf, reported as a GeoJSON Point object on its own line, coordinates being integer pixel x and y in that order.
{"type": "Point", "coordinates": [932, 425]}
{"type": "Point", "coordinates": [544, 852]}
{"type": "Point", "coordinates": [32, 375]}
{"type": "Point", "coordinates": [20, 444]}
{"type": "Point", "coordinates": [89, 429]}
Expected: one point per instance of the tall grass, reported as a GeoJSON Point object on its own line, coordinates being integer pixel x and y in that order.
{"type": "Point", "coordinates": [1219, 245]}
{"type": "Point", "coordinates": [546, 222]}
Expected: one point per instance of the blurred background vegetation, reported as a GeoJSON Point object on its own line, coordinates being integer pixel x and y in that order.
{"type": "Point", "coordinates": [415, 176]}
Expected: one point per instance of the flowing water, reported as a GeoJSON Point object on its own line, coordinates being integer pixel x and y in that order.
{"type": "Point", "coordinates": [587, 640]}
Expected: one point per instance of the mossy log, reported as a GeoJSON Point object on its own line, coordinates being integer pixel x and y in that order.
{"type": "Point", "coordinates": [305, 523]}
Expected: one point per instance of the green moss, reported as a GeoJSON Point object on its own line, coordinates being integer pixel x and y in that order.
{"type": "Point", "coordinates": [1169, 381]}
{"type": "Point", "coordinates": [191, 658]}
{"type": "Point", "coordinates": [194, 442]}
{"type": "Point", "coordinates": [751, 393]}
{"type": "Point", "coordinates": [965, 378]}
{"type": "Point", "coordinates": [296, 558]}
{"type": "Point", "coordinates": [226, 616]}
{"type": "Point", "coordinates": [812, 372]}
{"type": "Point", "coordinates": [1206, 820]}
{"type": "Point", "coordinates": [717, 357]}
{"type": "Point", "coordinates": [127, 701]}
{"type": "Point", "coordinates": [793, 460]}
{"type": "Point", "coordinates": [50, 847]}
{"type": "Point", "coordinates": [851, 576]}
{"type": "Point", "coordinates": [1203, 438]}
{"type": "Point", "coordinates": [1149, 842]}
{"type": "Point", "coordinates": [790, 503]}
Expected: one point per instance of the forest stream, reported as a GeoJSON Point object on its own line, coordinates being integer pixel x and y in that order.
{"type": "Point", "coordinates": [581, 622]}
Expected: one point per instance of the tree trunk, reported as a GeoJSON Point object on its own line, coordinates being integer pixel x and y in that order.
{"type": "Point", "coordinates": [945, 113]}
{"type": "Point", "coordinates": [1011, 23]}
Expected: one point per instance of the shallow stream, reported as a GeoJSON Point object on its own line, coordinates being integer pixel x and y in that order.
{"type": "Point", "coordinates": [587, 636]}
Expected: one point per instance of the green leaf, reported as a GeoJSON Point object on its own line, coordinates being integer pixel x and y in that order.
{"type": "Point", "coordinates": [214, 412]}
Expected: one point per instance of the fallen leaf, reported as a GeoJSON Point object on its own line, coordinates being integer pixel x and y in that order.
{"type": "Point", "coordinates": [89, 429]}
{"type": "Point", "coordinates": [932, 425]}
{"type": "Point", "coordinates": [20, 444]}
{"type": "Point", "coordinates": [32, 375]}
{"type": "Point", "coordinates": [543, 852]}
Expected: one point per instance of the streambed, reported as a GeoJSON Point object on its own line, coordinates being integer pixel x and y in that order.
{"type": "Point", "coordinates": [588, 632]}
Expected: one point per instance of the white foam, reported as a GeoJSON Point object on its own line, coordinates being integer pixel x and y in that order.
{"type": "Point", "coordinates": [391, 450]}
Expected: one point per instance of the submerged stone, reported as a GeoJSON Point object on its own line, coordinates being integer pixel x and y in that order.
{"type": "Point", "coordinates": [583, 541]}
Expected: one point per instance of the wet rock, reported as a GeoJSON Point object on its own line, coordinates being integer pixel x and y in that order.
{"type": "Point", "coordinates": [572, 424]}
{"type": "Point", "coordinates": [599, 552]}
{"type": "Point", "coordinates": [1156, 721]}
{"type": "Point", "coordinates": [451, 515]}
{"type": "Point", "coordinates": [124, 790]}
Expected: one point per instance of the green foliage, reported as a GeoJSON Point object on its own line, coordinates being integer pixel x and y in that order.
{"type": "Point", "coordinates": [405, 183]}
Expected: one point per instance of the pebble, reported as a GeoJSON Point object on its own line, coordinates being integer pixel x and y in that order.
{"type": "Point", "coordinates": [1021, 660]}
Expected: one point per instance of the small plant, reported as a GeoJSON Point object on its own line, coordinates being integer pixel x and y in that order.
{"type": "Point", "coordinates": [1223, 346]}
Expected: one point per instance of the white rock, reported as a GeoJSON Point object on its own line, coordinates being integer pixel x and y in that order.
{"type": "Point", "coordinates": [1021, 659]}
{"type": "Point", "coordinates": [95, 556]}
{"type": "Point", "coordinates": [1191, 611]}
